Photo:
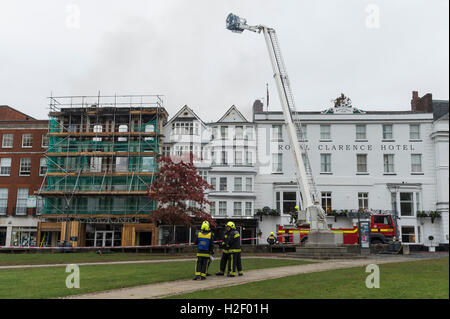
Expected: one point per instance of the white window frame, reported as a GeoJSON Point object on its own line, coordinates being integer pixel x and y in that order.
{"type": "Point", "coordinates": [359, 164]}
{"type": "Point", "coordinates": [387, 163]}
{"type": "Point", "coordinates": [248, 209]}
{"type": "Point", "coordinates": [238, 187]}
{"type": "Point", "coordinates": [42, 166]}
{"type": "Point", "coordinates": [238, 132]}
{"type": "Point", "coordinates": [24, 165]}
{"type": "Point", "coordinates": [325, 132]}
{"type": "Point", "coordinates": [27, 138]}
{"type": "Point", "coordinates": [277, 162]}
{"type": "Point", "coordinates": [388, 135]}
{"type": "Point", "coordinates": [325, 163]}
{"type": "Point", "coordinates": [4, 200]}
{"type": "Point", "coordinates": [5, 162]}
{"type": "Point", "coordinates": [238, 160]}
{"type": "Point", "coordinates": [416, 167]}
{"type": "Point", "coordinates": [363, 200]}
{"type": "Point", "coordinates": [223, 189]}
{"type": "Point", "coordinates": [8, 137]}
{"type": "Point", "coordinates": [21, 203]}
{"type": "Point", "coordinates": [412, 133]}
{"type": "Point", "coordinates": [237, 207]}
{"type": "Point", "coordinates": [44, 137]}
{"type": "Point", "coordinates": [361, 132]}
{"type": "Point", "coordinates": [249, 184]}
{"type": "Point", "coordinates": [277, 133]}
{"type": "Point", "coordinates": [223, 208]}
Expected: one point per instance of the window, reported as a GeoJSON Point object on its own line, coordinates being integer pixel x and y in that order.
{"type": "Point", "coordinates": [122, 129]}
{"type": "Point", "coordinates": [278, 201]}
{"type": "Point", "coordinates": [408, 235]}
{"type": "Point", "coordinates": [406, 204]}
{"type": "Point", "coordinates": [222, 208]}
{"type": "Point", "coordinates": [289, 202]}
{"type": "Point", "coordinates": [213, 157]}
{"type": "Point", "coordinates": [414, 131]}
{"type": "Point", "coordinates": [325, 132]}
{"type": "Point", "coordinates": [239, 133]}
{"type": "Point", "coordinates": [361, 132]}
{"type": "Point", "coordinates": [44, 140]}
{"type": "Point", "coordinates": [97, 129]}
{"type": "Point", "coordinates": [238, 184]}
{"type": "Point", "coordinates": [302, 133]}
{"type": "Point", "coordinates": [122, 164]}
{"type": "Point", "coordinates": [214, 183]}
{"type": "Point", "coordinates": [249, 133]}
{"type": "Point", "coordinates": [25, 166]}
{"type": "Point", "coordinates": [166, 151]}
{"type": "Point", "coordinates": [326, 201]}
{"type": "Point", "coordinates": [387, 132]}
{"type": "Point", "coordinates": [325, 163]}
{"type": "Point", "coordinates": [96, 165]}
{"type": "Point", "coordinates": [237, 157]}
{"type": "Point", "coordinates": [361, 163]}
{"type": "Point", "coordinates": [248, 158]}
{"type": "Point", "coordinates": [3, 201]}
{"type": "Point", "coordinates": [237, 211]}
{"type": "Point", "coordinates": [42, 166]}
{"type": "Point", "coordinates": [223, 160]}
{"type": "Point", "coordinates": [7, 141]}
{"type": "Point", "coordinates": [212, 209]}
{"type": "Point", "coordinates": [148, 164]}
{"type": "Point", "coordinates": [5, 166]}
{"type": "Point", "coordinates": [39, 205]}
{"type": "Point", "coordinates": [363, 201]}
{"type": "Point", "coordinates": [277, 163]}
{"type": "Point", "coordinates": [277, 133]}
{"type": "Point", "coordinates": [417, 201]}
{"type": "Point", "coordinates": [22, 198]}
{"type": "Point", "coordinates": [248, 208]}
{"type": "Point", "coordinates": [388, 160]}
{"type": "Point", "coordinates": [203, 174]}
{"type": "Point", "coordinates": [416, 163]}
{"type": "Point", "coordinates": [214, 133]}
{"type": "Point", "coordinates": [27, 140]}
{"type": "Point", "coordinates": [224, 132]}
{"type": "Point", "coordinates": [249, 184]}
{"type": "Point", "coordinates": [223, 184]}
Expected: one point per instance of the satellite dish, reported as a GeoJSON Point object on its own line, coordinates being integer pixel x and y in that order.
{"type": "Point", "coordinates": [234, 23]}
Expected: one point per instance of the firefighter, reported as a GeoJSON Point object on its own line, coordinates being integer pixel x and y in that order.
{"type": "Point", "coordinates": [272, 239]}
{"type": "Point", "coordinates": [234, 242]}
{"type": "Point", "coordinates": [205, 247]}
{"type": "Point", "coordinates": [225, 251]}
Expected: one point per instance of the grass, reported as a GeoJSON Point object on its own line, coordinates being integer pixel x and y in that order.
{"type": "Point", "coordinates": [425, 279]}
{"type": "Point", "coordinates": [50, 282]}
{"type": "Point", "coordinates": [70, 258]}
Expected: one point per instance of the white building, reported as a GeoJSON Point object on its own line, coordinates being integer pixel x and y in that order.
{"type": "Point", "coordinates": [391, 161]}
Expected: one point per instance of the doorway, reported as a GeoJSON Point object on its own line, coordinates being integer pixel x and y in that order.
{"type": "Point", "coordinates": [143, 238]}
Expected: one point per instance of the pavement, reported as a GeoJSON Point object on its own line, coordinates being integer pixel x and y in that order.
{"type": "Point", "coordinates": [173, 288]}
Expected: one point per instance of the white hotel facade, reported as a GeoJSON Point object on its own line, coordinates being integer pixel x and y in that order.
{"type": "Point", "coordinates": [394, 161]}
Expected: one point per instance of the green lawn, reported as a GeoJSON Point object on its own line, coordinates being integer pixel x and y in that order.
{"type": "Point", "coordinates": [70, 258]}
{"type": "Point", "coordinates": [416, 279]}
{"type": "Point", "coordinates": [49, 282]}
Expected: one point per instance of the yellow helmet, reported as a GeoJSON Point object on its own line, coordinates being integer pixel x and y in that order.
{"type": "Point", "coordinates": [205, 225]}
{"type": "Point", "coordinates": [231, 225]}
{"type": "Point", "coordinates": [296, 208]}
{"type": "Point", "coordinates": [271, 233]}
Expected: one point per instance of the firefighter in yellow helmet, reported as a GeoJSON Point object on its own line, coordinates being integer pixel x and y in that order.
{"type": "Point", "coordinates": [272, 239]}
{"type": "Point", "coordinates": [233, 241]}
{"type": "Point", "coordinates": [225, 250]}
{"type": "Point", "coordinates": [205, 248]}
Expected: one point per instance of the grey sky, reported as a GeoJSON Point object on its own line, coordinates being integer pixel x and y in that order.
{"type": "Point", "coordinates": [181, 49]}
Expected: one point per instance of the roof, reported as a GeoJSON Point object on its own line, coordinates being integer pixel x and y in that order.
{"type": "Point", "coordinates": [185, 108]}
{"type": "Point", "coordinates": [229, 113]}
{"type": "Point", "coordinates": [9, 113]}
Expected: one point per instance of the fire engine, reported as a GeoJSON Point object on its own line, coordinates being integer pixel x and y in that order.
{"type": "Point", "coordinates": [382, 230]}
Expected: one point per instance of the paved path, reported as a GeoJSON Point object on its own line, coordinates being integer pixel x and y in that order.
{"type": "Point", "coordinates": [177, 287]}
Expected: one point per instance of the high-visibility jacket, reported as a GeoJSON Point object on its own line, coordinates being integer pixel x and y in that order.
{"type": "Point", "coordinates": [272, 239]}
{"type": "Point", "coordinates": [234, 241]}
{"type": "Point", "coordinates": [205, 244]}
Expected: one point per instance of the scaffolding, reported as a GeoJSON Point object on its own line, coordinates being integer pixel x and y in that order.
{"type": "Point", "coordinates": [101, 157]}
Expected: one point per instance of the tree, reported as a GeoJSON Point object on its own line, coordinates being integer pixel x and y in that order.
{"type": "Point", "coordinates": [177, 183]}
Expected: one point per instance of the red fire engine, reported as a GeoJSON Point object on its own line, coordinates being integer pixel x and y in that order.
{"type": "Point", "coordinates": [382, 230]}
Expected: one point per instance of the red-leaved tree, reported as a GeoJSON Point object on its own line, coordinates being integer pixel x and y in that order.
{"type": "Point", "coordinates": [177, 183]}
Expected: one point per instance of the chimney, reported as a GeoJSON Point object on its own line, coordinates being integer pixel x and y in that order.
{"type": "Point", "coordinates": [257, 107]}
{"type": "Point", "coordinates": [422, 104]}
